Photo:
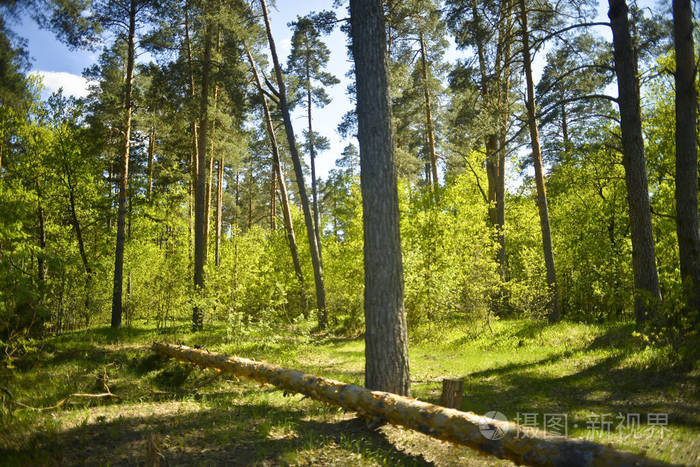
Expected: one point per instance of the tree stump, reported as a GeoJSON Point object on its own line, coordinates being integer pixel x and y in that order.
{"type": "Point", "coordinates": [452, 392]}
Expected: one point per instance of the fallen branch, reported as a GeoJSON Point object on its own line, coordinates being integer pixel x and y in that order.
{"type": "Point", "coordinates": [61, 402]}
{"type": "Point", "coordinates": [520, 444]}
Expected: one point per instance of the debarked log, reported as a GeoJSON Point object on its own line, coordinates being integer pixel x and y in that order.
{"type": "Point", "coordinates": [503, 439]}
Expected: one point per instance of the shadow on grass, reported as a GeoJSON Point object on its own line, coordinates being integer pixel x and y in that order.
{"type": "Point", "coordinates": [569, 382]}
{"type": "Point", "coordinates": [242, 435]}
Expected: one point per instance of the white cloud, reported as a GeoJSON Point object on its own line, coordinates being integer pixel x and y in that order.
{"type": "Point", "coordinates": [285, 48]}
{"type": "Point", "coordinates": [73, 85]}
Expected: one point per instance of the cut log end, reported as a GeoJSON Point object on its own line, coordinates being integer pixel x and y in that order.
{"type": "Point", "coordinates": [452, 393]}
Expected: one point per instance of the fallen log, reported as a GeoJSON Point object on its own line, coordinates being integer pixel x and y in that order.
{"type": "Point", "coordinates": [502, 439]}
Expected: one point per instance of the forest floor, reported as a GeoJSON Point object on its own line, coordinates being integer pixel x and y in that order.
{"type": "Point", "coordinates": [601, 377]}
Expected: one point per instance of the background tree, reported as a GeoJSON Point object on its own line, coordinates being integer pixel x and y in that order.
{"type": "Point", "coordinates": [307, 60]}
{"type": "Point", "coordinates": [281, 95]}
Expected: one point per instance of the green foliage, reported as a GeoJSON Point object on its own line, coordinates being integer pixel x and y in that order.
{"type": "Point", "coordinates": [449, 260]}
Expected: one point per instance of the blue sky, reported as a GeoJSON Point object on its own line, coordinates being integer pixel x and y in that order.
{"type": "Point", "coordinates": [60, 66]}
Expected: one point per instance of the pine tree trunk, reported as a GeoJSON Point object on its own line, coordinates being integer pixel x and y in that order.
{"type": "Point", "coordinates": [124, 174]}
{"type": "Point", "coordinates": [273, 199]}
{"type": "Point", "coordinates": [686, 152]}
{"type": "Point", "coordinates": [505, 33]}
{"type": "Point", "coordinates": [495, 154]}
{"type": "Point", "coordinates": [219, 206]}
{"type": "Point", "coordinates": [312, 157]}
{"type": "Point", "coordinates": [151, 150]}
{"type": "Point", "coordinates": [492, 176]}
{"type": "Point", "coordinates": [194, 155]}
{"type": "Point", "coordinates": [200, 219]}
{"type": "Point", "coordinates": [210, 182]}
{"type": "Point", "coordinates": [429, 123]}
{"type": "Point", "coordinates": [386, 343]}
{"type": "Point", "coordinates": [210, 185]}
{"type": "Point", "coordinates": [110, 184]}
{"type": "Point", "coordinates": [646, 281]}
{"type": "Point", "coordinates": [284, 196]}
{"type": "Point", "coordinates": [553, 305]}
{"type": "Point", "coordinates": [299, 173]}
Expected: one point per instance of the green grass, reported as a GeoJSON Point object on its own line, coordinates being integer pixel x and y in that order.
{"type": "Point", "coordinates": [523, 367]}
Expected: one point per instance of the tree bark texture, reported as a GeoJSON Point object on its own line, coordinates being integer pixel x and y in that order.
{"type": "Point", "coordinates": [686, 152]}
{"type": "Point", "coordinates": [200, 212]}
{"type": "Point", "coordinates": [386, 343]}
{"type": "Point", "coordinates": [646, 281]}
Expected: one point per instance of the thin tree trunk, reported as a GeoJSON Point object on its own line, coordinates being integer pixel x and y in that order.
{"type": "Point", "coordinates": [646, 281]}
{"type": "Point", "coordinates": [219, 205]}
{"type": "Point", "coordinates": [284, 196]}
{"type": "Point", "coordinates": [553, 305]}
{"type": "Point", "coordinates": [41, 263]}
{"type": "Point", "coordinates": [312, 157]}
{"type": "Point", "coordinates": [492, 168]}
{"type": "Point", "coordinates": [200, 219]}
{"type": "Point", "coordinates": [299, 173]}
{"type": "Point", "coordinates": [151, 150]}
{"type": "Point", "coordinates": [564, 126]}
{"type": "Point", "coordinates": [386, 343]}
{"type": "Point", "coordinates": [110, 184]}
{"type": "Point", "coordinates": [210, 182]}
{"type": "Point", "coordinates": [429, 122]}
{"type": "Point", "coordinates": [194, 156]}
{"type": "Point", "coordinates": [76, 224]}
{"type": "Point", "coordinates": [238, 197]}
{"type": "Point", "coordinates": [686, 152]}
{"type": "Point", "coordinates": [504, 107]}
{"type": "Point", "coordinates": [250, 195]}
{"type": "Point", "coordinates": [2, 144]}
{"type": "Point", "coordinates": [273, 200]}
{"type": "Point", "coordinates": [495, 155]}
{"type": "Point", "coordinates": [81, 246]}
{"type": "Point", "coordinates": [123, 179]}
